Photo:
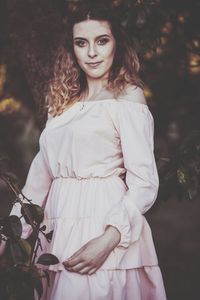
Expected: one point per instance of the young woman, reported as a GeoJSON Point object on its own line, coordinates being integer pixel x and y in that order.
{"type": "Point", "coordinates": [95, 172]}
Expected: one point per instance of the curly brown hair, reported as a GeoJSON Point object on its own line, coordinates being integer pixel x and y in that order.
{"type": "Point", "coordinates": [69, 82]}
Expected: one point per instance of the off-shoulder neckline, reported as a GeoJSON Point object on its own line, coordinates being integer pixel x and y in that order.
{"type": "Point", "coordinates": [95, 101]}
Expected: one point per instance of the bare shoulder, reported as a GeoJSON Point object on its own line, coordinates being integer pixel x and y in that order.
{"type": "Point", "coordinates": [49, 114]}
{"type": "Point", "coordinates": [134, 94]}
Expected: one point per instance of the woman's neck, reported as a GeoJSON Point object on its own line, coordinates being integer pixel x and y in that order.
{"type": "Point", "coordinates": [95, 87]}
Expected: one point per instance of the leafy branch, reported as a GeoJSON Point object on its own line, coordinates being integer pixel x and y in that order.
{"type": "Point", "coordinates": [181, 169]}
{"type": "Point", "coordinates": [19, 273]}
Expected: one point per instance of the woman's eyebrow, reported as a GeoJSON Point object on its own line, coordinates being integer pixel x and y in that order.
{"type": "Point", "coordinates": [98, 37]}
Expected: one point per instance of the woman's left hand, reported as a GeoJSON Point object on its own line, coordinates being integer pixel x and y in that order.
{"type": "Point", "coordinates": [90, 257]}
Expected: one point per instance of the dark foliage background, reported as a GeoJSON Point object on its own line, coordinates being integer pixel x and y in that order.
{"type": "Point", "coordinates": [166, 35]}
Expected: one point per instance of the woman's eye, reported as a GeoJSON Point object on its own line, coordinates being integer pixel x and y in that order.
{"type": "Point", "coordinates": [102, 41]}
{"type": "Point", "coordinates": [80, 43]}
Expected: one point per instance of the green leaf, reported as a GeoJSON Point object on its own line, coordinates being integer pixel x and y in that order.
{"type": "Point", "coordinates": [43, 228]}
{"type": "Point", "coordinates": [26, 248]}
{"type": "Point", "coordinates": [38, 213]}
{"type": "Point", "coordinates": [47, 276]}
{"type": "Point", "coordinates": [16, 253]}
{"type": "Point", "coordinates": [49, 235]}
{"type": "Point", "coordinates": [38, 286]}
{"type": "Point", "coordinates": [32, 212]}
{"type": "Point", "coordinates": [182, 176]}
{"type": "Point", "coordinates": [20, 251]}
{"type": "Point", "coordinates": [47, 259]}
{"type": "Point", "coordinates": [27, 213]}
{"type": "Point", "coordinates": [36, 275]}
{"type": "Point", "coordinates": [12, 227]}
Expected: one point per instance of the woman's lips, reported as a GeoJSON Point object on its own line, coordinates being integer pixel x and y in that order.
{"type": "Point", "coordinates": [94, 64]}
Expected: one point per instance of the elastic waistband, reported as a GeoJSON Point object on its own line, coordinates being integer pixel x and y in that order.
{"type": "Point", "coordinates": [85, 178]}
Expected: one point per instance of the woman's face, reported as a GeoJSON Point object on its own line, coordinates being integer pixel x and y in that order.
{"type": "Point", "coordinates": [94, 48]}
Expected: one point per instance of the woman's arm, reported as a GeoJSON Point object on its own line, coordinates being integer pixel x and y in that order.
{"type": "Point", "coordinates": [89, 258]}
{"type": "Point", "coordinates": [136, 130]}
{"type": "Point", "coordinates": [37, 185]}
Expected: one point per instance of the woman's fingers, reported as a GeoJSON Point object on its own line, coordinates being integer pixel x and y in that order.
{"type": "Point", "coordinates": [81, 267]}
{"type": "Point", "coordinates": [92, 271]}
{"type": "Point", "coordinates": [89, 271]}
{"type": "Point", "coordinates": [88, 258]}
{"type": "Point", "coordinates": [72, 262]}
{"type": "Point", "coordinates": [83, 270]}
{"type": "Point", "coordinates": [77, 267]}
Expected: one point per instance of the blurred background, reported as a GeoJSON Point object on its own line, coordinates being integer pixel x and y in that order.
{"type": "Point", "coordinates": [166, 35]}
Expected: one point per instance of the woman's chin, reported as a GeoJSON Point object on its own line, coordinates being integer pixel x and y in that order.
{"type": "Point", "coordinates": [97, 75]}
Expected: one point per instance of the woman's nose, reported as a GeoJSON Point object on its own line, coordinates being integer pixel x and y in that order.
{"type": "Point", "coordinates": [92, 51]}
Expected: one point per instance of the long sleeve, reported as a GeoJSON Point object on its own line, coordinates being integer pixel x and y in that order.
{"type": "Point", "coordinates": [136, 129]}
{"type": "Point", "coordinates": [36, 187]}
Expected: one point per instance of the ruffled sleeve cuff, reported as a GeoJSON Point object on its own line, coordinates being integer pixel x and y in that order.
{"type": "Point", "coordinates": [118, 217]}
{"type": "Point", "coordinates": [119, 220]}
{"type": "Point", "coordinates": [26, 228]}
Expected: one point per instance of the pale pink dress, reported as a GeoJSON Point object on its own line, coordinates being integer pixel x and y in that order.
{"type": "Point", "coordinates": [96, 167]}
